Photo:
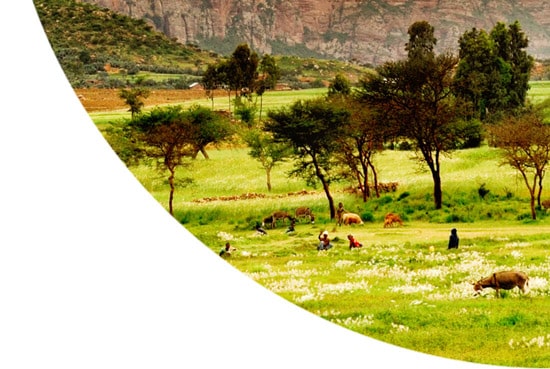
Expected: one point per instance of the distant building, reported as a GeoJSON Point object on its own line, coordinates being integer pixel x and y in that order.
{"type": "Point", "coordinates": [195, 86]}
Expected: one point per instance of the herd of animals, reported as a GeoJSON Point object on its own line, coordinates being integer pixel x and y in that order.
{"type": "Point", "coordinates": [342, 218]}
{"type": "Point", "coordinates": [504, 280]}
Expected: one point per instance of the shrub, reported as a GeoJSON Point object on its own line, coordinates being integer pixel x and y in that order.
{"type": "Point", "coordinates": [482, 191]}
{"type": "Point", "coordinates": [403, 196]}
{"type": "Point", "coordinates": [367, 216]}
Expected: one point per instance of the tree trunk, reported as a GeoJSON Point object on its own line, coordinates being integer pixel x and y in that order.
{"type": "Point", "coordinates": [329, 198]}
{"type": "Point", "coordinates": [539, 194]}
{"type": "Point", "coordinates": [261, 105]}
{"type": "Point", "coordinates": [325, 188]}
{"type": "Point", "coordinates": [172, 189]}
{"type": "Point", "coordinates": [532, 203]}
{"type": "Point", "coordinates": [268, 177]}
{"type": "Point", "coordinates": [438, 193]}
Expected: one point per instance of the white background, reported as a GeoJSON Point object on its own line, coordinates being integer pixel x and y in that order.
{"type": "Point", "coordinates": [94, 273]}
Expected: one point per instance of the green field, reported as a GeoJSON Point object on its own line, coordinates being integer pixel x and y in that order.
{"type": "Point", "coordinates": [403, 287]}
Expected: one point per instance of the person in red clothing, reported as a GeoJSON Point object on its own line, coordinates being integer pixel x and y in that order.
{"type": "Point", "coordinates": [353, 243]}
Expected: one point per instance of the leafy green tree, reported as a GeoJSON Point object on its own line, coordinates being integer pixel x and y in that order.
{"type": "Point", "coordinates": [421, 41]}
{"type": "Point", "coordinates": [362, 138]}
{"type": "Point", "coordinates": [243, 70]}
{"type": "Point", "coordinates": [339, 86]}
{"type": "Point", "coordinates": [525, 143]}
{"type": "Point", "coordinates": [211, 81]}
{"type": "Point", "coordinates": [209, 127]}
{"type": "Point", "coordinates": [266, 150]}
{"type": "Point", "coordinates": [134, 98]}
{"type": "Point", "coordinates": [269, 74]}
{"type": "Point", "coordinates": [480, 77]}
{"type": "Point", "coordinates": [494, 70]}
{"type": "Point", "coordinates": [510, 46]}
{"type": "Point", "coordinates": [165, 135]}
{"type": "Point", "coordinates": [311, 128]}
{"type": "Point", "coordinates": [416, 96]}
{"type": "Point", "coordinates": [239, 73]}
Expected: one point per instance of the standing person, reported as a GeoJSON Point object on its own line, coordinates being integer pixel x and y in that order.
{"type": "Point", "coordinates": [453, 240]}
{"type": "Point", "coordinates": [340, 213]}
{"type": "Point", "coordinates": [353, 243]}
{"type": "Point", "coordinates": [324, 241]}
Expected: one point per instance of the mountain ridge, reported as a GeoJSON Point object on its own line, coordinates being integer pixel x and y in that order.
{"type": "Point", "coordinates": [367, 31]}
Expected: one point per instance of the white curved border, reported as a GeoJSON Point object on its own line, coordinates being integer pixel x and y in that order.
{"type": "Point", "coordinates": [95, 274]}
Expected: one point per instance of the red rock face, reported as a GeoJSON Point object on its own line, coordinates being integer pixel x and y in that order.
{"type": "Point", "coordinates": [369, 31]}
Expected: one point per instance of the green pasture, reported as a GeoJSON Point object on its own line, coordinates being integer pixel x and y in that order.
{"type": "Point", "coordinates": [403, 286]}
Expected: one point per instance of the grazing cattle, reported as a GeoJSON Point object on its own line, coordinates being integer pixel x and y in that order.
{"type": "Point", "coordinates": [268, 220]}
{"type": "Point", "coordinates": [304, 213]}
{"type": "Point", "coordinates": [351, 218]}
{"type": "Point", "coordinates": [390, 219]}
{"type": "Point", "coordinates": [506, 280]}
{"type": "Point", "coordinates": [275, 216]}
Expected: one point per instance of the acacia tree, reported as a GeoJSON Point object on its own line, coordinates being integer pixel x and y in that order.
{"type": "Point", "coordinates": [416, 96]}
{"type": "Point", "coordinates": [525, 143]}
{"type": "Point", "coordinates": [166, 135]}
{"type": "Point", "coordinates": [134, 98]}
{"type": "Point", "coordinates": [362, 138]}
{"type": "Point", "coordinates": [238, 73]}
{"type": "Point", "coordinates": [266, 150]}
{"type": "Point", "coordinates": [310, 127]}
{"type": "Point", "coordinates": [209, 127]}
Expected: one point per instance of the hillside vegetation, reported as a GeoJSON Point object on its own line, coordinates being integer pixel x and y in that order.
{"type": "Point", "coordinates": [97, 47]}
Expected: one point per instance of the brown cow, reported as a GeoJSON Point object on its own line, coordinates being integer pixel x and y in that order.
{"type": "Point", "coordinates": [506, 280]}
{"type": "Point", "coordinates": [390, 219]}
{"type": "Point", "coordinates": [304, 213]}
{"type": "Point", "coordinates": [351, 218]}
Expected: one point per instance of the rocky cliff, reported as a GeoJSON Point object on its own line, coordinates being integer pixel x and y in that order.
{"type": "Point", "coordinates": [368, 31]}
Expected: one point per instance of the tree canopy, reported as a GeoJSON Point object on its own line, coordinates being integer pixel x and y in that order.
{"type": "Point", "coordinates": [311, 127]}
{"type": "Point", "coordinates": [415, 95]}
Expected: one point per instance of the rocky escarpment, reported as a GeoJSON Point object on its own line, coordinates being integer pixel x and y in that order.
{"type": "Point", "coordinates": [368, 31]}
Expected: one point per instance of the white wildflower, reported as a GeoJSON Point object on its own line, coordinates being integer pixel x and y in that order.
{"type": "Point", "coordinates": [294, 263]}
{"type": "Point", "coordinates": [344, 263]}
{"type": "Point", "coordinates": [398, 328]}
{"type": "Point", "coordinates": [225, 236]}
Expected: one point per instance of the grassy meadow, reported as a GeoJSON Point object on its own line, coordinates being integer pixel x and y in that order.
{"type": "Point", "coordinates": [403, 286]}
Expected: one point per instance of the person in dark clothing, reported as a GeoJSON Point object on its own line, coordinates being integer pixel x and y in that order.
{"type": "Point", "coordinates": [291, 228]}
{"type": "Point", "coordinates": [453, 240]}
{"type": "Point", "coordinates": [259, 229]}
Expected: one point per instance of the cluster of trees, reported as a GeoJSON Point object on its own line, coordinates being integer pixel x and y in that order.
{"type": "Point", "coordinates": [243, 74]}
{"type": "Point", "coordinates": [436, 103]}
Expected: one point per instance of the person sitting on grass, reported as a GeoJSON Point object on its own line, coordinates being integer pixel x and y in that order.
{"type": "Point", "coordinates": [226, 252]}
{"type": "Point", "coordinates": [324, 241]}
{"type": "Point", "coordinates": [291, 228]}
{"type": "Point", "coordinates": [353, 243]}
